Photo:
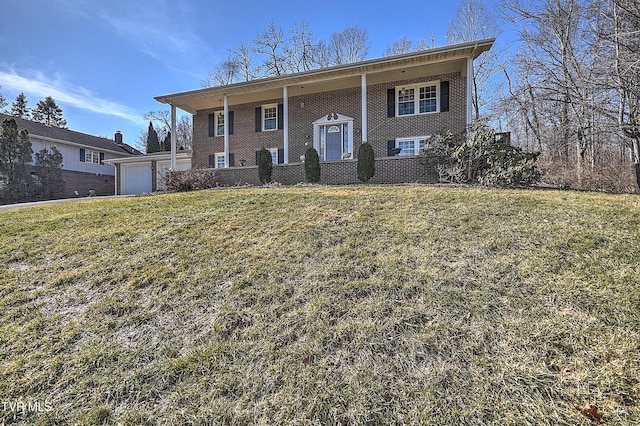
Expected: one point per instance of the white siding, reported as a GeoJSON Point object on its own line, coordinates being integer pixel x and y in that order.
{"type": "Point", "coordinates": [71, 158]}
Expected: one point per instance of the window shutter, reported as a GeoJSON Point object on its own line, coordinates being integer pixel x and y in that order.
{"type": "Point", "coordinates": [391, 145]}
{"type": "Point", "coordinates": [212, 161]}
{"type": "Point", "coordinates": [230, 122]}
{"type": "Point", "coordinates": [258, 119]}
{"type": "Point", "coordinates": [82, 155]}
{"type": "Point", "coordinates": [102, 158]}
{"type": "Point", "coordinates": [231, 160]}
{"type": "Point", "coordinates": [391, 102]}
{"type": "Point", "coordinates": [280, 116]}
{"type": "Point", "coordinates": [444, 96]}
{"type": "Point", "coordinates": [212, 125]}
{"type": "Point", "coordinates": [280, 155]}
{"type": "Point", "coordinates": [257, 157]}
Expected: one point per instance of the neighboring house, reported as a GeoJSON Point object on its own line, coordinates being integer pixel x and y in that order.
{"type": "Point", "coordinates": [83, 156]}
{"type": "Point", "coordinates": [396, 103]}
{"type": "Point", "coordinates": [146, 173]}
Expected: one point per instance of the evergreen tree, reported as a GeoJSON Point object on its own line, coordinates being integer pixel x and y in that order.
{"type": "Point", "coordinates": [153, 145]}
{"type": "Point", "coordinates": [3, 100]}
{"type": "Point", "coordinates": [265, 166]}
{"type": "Point", "coordinates": [15, 153]}
{"type": "Point", "coordinates": [49, 113]}
{"type": "Point", "coordinates": [49, 165]}
{"type": "Point", "coordinates": [19, 107]}
{"type": "Point", "coordinates": [312, 165]}
{"type": "Point", "coordinates": [366, 162]}
{"type": "Point", "coordinates": [166, 144]}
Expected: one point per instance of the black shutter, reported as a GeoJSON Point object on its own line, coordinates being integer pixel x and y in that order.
{"type": "Point", "coordinates": [102, 158]}
{"type": "Point", "coordinates": [391, 102]}
{"type": "Point", "coordinates": [230, 122]}
{"type": "Point", "coordinates": [258, 119]}
{"type": "Point", "coordinates": [280, 116]}
{"type": "Point", "coordinates": [280, 155]}
{"type": "Point", "coordinates": [391, 145]}
{"type": "Point", "coordinates": [444, 96]}
{"type": "Point", "coordinates": [82, 155]}
{"type": "Point", "coordinates": [212, 125]}
{"type": "Point", "coordinates": [212, 161]}
{"type": "Point", "coordinates": [257, 157]}
{"type": "Point", "coordinates": [231, 160]}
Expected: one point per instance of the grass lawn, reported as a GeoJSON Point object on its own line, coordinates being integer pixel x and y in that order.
{"type": "Point", "coordinates": [357, 305]}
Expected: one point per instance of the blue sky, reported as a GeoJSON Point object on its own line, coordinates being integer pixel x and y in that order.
{"type": "Point", "coordinates": [105, 61]}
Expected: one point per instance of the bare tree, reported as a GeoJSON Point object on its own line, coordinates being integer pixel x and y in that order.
{"type": "Point", "coordinates": [474, 21]}
{"type": "Point", "coordinates": [400, 46]}
{"type": "Point", "coordinates": [300, 49]}
{"type": "Point", "coordinates": [271, 44]}
{"type": "Point", "coordinates": [242, 54]}
{"type": "Point", "coordinates": [349, 45]}
{"type": "Point", "coordinates": [222, 74]}
{"type": "Point", "coordinates": [624, 16]}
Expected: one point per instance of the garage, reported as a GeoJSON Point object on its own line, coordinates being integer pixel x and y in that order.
{"type": "Point", "coordinates": [145, 173]}
{"type": "Point", "coordinates": [136, 178]}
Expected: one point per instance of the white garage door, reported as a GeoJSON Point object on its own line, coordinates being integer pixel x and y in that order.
{"type": "Point", "coordinates": [136, 178]}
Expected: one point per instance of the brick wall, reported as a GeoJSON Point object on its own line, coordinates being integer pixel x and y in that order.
{"type": "Point", "coordinates": [83, 182]}
{"type": "Point", "coordinates": [388, 170]}
{"type": "Point", "coordinates": [245, 141]}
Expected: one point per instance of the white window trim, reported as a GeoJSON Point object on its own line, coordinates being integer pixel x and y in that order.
{"type": "Point", "coordinates": [216, 116]}
{"type": "Point", "coordinates": [325, 121]}
{"type": "Point", "coordinates": [217, 156]}
{"type": "Point", "coordinates": [274, 158]}
{"type": "Point", "coordinates": [91, 156]}
{"type": "Point", "coordinates": [264, 129]}
{"type": "Point", "coordinates": [416, 99]}
{"type": "Point", "coordinates": [416, 148]}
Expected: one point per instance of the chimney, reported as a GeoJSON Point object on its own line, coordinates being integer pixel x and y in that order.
{"type": "Point", "coordinates": [118, 137]}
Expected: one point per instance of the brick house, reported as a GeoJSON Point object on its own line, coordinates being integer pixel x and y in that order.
{"type": "Point", "coordinates": [83, 156]}
{"type": "Point", "coordinates": [395, 103]}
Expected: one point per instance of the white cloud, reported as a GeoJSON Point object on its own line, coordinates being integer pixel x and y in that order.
{"type": "Point", "coordinates": [35, 83]}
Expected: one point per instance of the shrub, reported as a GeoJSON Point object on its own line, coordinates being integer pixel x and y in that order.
{"type": "Point", "coordinates": [190, 180]}
{"type": "Point", "coordinates": [366, 162]}
{"type": "Point", "coordinates": [483, 157]}
{"type": "Point", "coordinates": [265, 166]}
{"type": "Point", "coordinates": [312, 165]}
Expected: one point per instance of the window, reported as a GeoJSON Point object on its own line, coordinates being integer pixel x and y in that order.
{"type": "Point", "coordinates": [412, 146]}
{"type": "Point", "coordinates": [219, 160]}
{"type": "Point", "coordinates": [269, 117]}
{"type": "Point", "coordinates": [274, 155]}
{"type": "Point", "coordinates": [425, 102]}
{"type": "Point", "coordinates": [91, 156]}
{"type": "Point", "coordinates": [220, 123]}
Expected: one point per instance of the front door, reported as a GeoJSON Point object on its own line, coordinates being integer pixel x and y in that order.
{"type": "Point", "coordinates": [334, 143]}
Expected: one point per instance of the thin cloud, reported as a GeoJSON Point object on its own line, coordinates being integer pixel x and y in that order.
{"type": "Point", "coordinates": [37, 84]}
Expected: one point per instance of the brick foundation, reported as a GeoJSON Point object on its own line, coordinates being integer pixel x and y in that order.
{"type": "Point", "coordinates": [388, 170]}
{"type": "Point", "coordinates": [84, 182]}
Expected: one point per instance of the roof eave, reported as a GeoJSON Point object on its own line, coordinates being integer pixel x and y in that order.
{"type": "Point", "coordinates": [430, 56]}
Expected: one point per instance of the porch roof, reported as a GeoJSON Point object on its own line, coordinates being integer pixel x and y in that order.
{"type": "Point", "coordinates": [390, 68]}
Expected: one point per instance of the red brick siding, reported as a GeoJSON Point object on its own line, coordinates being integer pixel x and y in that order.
{"type": "Point", "coordinates": [246, 141]}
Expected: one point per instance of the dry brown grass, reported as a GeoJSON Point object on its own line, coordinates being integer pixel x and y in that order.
{"type": "Point", "coordinates": [319, 305]}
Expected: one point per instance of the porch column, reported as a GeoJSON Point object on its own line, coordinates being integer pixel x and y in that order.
{"type": "Point", "coordinates": [364, 107]}
{"type": "Point", "coordinates": [285, 96]}
{"type": "Point", "coordinates": [469, 91]}
{"type": "Point", "coordinates": [173, 137]}
{"type": "Point", "coordinates": [226, 131]}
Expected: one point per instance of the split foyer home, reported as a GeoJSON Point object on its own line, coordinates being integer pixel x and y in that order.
{"type": "Point", "coordinates": [395, 103]}
{"type": "Point", "coordinates": [84, 157]}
